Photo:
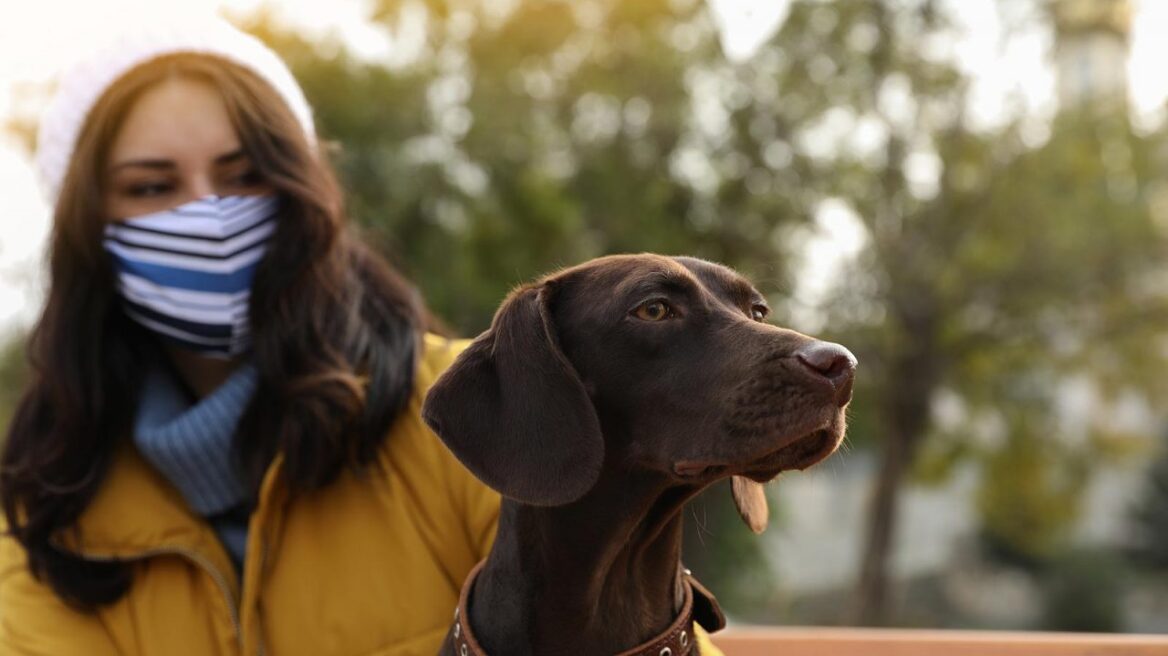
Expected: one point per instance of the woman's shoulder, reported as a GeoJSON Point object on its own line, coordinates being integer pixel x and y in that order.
{"type": "Point", "coordinates": [410, 438]}
{"type": "Point", "coordinates": [416, 455]}
{"type": "Point", "coordinates": [437, 354]}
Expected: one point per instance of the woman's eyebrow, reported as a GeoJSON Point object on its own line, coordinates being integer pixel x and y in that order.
{"type": "Point", "coordinates": [156, 164]}
{"type": "Point", "coordinates": [143, 163]}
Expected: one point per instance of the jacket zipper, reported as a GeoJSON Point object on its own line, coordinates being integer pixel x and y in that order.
{"type": "Point", "coordinates": [199, 560]}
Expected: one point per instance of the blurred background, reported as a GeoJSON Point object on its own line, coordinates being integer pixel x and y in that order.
{"type": "Point", "coordinates": [972, 196]}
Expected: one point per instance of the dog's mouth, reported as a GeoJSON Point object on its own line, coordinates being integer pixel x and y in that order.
{"type": "Point", "coordinates": [800, 453]}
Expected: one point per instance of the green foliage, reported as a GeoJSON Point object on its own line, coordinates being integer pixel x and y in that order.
{"type": "Point", "coordinates": [1082, 592]}
{"type": "Point", "coordinates": [538, 139]}
{"type": "Point", "coordinates": [938, 459]}
{"type": "Point", "coordinates": [13, 374]}
{"type": "Point", "coordinates": [1151, 517]}
{"type": "Point", "coordinates": [1030, 496]}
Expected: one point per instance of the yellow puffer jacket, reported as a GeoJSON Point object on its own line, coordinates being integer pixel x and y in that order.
{"type": "Point", "coordinates": [369, 566]}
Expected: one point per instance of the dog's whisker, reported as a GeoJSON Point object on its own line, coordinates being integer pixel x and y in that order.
{"type": "Point", "coordinates": [701, 524]}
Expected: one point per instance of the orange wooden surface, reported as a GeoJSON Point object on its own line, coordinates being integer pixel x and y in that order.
{"type": "Point", "coordinates": [901, 642]}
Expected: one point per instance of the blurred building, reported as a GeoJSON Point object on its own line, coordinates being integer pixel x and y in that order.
{"type": "Point", "coordinates": [1092, 38]}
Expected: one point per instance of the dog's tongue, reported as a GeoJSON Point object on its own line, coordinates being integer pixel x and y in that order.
{"type": "Point", "coordinates": [751, 502]}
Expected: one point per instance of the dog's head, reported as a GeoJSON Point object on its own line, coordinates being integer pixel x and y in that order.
{"type": "Point", "coordinates": [642, 363]}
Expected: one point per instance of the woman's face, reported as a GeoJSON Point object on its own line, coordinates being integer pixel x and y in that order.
{"type": "Point", "coordinates": [176, 144]}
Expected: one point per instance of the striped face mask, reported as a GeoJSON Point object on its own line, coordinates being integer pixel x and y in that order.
{"type": "Point", "coordinates": [186, 273]}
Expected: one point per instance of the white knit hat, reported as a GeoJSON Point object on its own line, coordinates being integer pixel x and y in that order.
{"type": "Point", "coordinates": [84, 83]}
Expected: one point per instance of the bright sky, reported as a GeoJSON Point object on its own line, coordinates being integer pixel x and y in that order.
{"type": "Point", "coordinates": [35, 43]}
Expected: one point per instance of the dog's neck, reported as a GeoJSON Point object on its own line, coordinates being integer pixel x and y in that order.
{"type": "Point", "coordinates": [597, 576]}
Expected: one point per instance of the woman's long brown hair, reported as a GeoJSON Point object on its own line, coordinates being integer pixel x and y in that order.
{"type": "Point", "coordinates": [335, 336]}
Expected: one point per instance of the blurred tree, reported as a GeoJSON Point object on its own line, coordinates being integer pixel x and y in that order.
{"type": "Point", "coordinates": [992, 269]}
{"type": "Point", "coordinates": [859, 92]}
{"type": "Point", "coordinates": [1033, 303]}
{"type": "Point", "coordinates": [523, 139]}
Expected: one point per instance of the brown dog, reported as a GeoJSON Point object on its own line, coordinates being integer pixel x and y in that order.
{"type": "Point", "coordinates": [602, 398]}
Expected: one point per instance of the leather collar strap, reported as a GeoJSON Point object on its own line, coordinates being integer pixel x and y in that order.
{"type": "Point", "coordinates": [677, 640]}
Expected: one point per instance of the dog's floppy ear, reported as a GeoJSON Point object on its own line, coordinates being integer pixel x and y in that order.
{"type": "Point", "coordinates": [514, 411]}
{"type": "Point", "coordinates": [751, 501]}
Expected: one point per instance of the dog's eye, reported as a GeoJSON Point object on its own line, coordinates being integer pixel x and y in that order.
{"type": "Point", "coordinates": [758, 311]}
{"type": "Point", "coordinates": [653, 311]}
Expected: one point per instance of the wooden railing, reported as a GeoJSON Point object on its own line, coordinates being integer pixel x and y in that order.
{"type": "Point", "coordinates": [738, 641]}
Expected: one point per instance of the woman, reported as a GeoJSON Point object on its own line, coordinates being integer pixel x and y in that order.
{"type": "Point", "coordinates": [220, 449]}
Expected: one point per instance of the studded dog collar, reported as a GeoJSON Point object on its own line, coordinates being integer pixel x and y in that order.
{"type": "Point", "coordinates": [676, 640]}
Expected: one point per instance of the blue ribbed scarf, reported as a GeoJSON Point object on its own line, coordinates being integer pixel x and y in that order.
{"type": "Point", "coordinates": [191, 443]}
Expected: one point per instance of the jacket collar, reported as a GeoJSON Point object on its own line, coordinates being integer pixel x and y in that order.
{"type": "Point", "coordinates": [135, 509]}
{"type": "Point", "coordinates": [136, 513]}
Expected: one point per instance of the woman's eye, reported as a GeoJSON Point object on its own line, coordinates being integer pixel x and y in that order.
{"type": "Point", "coordinates": [249, 178]}
{"type": "Point", "coordinates": [759, 312]}
{"type": "Point", "coordinates": [653, 311]}
{"type": "Point", "coordinates": [148, 189]}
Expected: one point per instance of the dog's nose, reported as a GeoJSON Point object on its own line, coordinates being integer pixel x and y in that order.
{"type": "Point", "coordinates": [833, 362]}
